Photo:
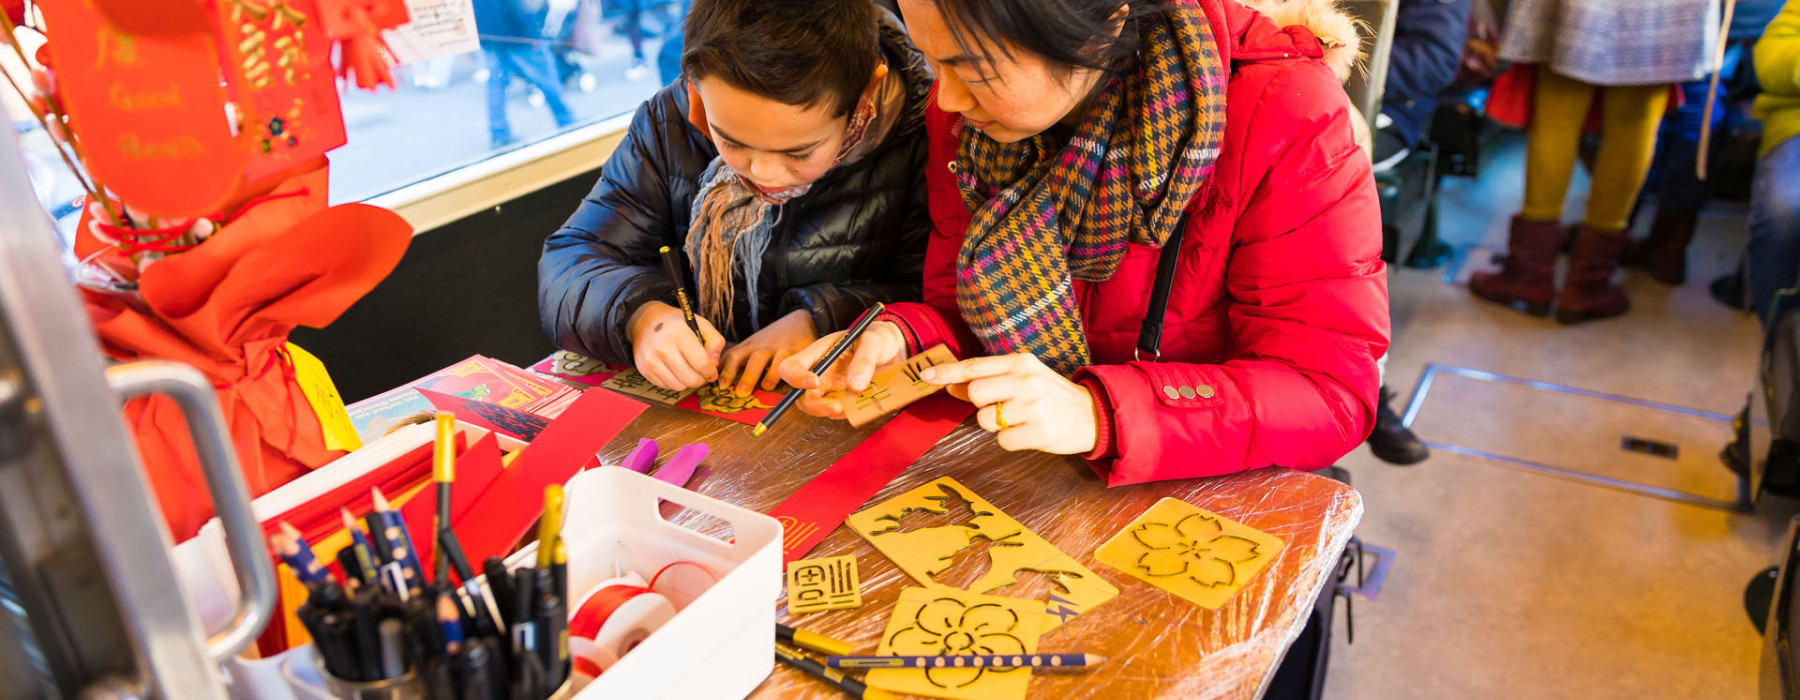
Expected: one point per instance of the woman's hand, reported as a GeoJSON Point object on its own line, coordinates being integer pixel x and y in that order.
{"type": "Point", "coordinates": [760, 355]}
{"type": "Point", "coordinates": [880, 347]}
{"type": "Point", "coordinates": [666, 351]}
{"type": "Point", "coordinates": [1042, 410]}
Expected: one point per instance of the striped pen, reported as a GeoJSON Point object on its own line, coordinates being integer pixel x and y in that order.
{"type": "Point", "coordinates": [1042, 662]}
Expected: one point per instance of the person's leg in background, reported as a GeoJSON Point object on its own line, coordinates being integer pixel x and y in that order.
{"type": "Point", "coordinates": [1630, 117]}
{"type": "Point", "coordinates": [499, 74]}
{"type": "Point", "coordinates": [1559, 108]}
{"type": "Point", "coordinates": [1680, 192]}
{"type": "Point", "coordinates": [1391, 440]}
{"type": "Point", "coordinates": [633, 22]}
{"type": "Point", "coordinates": [1772, 258]}
{"type": "Point", "coordinates": [535, 64]}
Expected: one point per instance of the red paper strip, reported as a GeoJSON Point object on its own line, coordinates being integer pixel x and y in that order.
{"type": "Point", "coordinates": [507, 509]}
{"type": "Point", "coordinates": [476, 470]}
{"type": "Point", "coordinates": [822, 504]}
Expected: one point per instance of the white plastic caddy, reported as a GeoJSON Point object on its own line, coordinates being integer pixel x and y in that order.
{"type": "Point", "coordinates": [721, 643]}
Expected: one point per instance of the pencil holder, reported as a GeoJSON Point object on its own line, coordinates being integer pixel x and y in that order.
{"type": "Point", "coordinates": [306, 674]}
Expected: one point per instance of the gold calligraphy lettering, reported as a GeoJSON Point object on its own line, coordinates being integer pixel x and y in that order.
{"type": "Point", "coordinates": [169, 98]}
{"type": "Point", "coordinates": [116, 45]}
{"type": "Point", "coordinates": [182, 146]}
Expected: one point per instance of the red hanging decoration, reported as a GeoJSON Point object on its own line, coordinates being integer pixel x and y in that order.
{"type": "Point", "coordinates": [356, 26]}
{"type": "Point", "coordinates": [277, 62]}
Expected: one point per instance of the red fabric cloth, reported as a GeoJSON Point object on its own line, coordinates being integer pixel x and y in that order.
{"type": "Point", "coordinates": [1515, 92]}
{"type": "Point", "coordinates": [226, 307]}
{"type": "Point", "coordinates": [1279, 307]}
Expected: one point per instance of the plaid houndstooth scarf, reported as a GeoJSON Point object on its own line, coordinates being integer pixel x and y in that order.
{"type": "Point", "coordinates": [1044, 218]}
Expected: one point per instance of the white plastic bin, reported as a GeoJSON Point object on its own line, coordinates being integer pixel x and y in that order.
{"type": "Point", "coordinates": [721, 643]}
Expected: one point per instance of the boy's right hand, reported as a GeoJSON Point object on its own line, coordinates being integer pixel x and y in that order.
{"type": "Point", "coordinates": [880, 347]}
{"type": "Point", "coordinates": [666, 351]}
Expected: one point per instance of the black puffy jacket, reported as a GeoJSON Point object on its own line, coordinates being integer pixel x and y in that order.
{"type": "Point", "coordinates": [857, 237]}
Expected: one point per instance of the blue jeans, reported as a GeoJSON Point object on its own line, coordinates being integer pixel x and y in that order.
{"type": "Point", "coordinates": [533, 63]}
{"type": "Point", "coordinates": [1772, 258]}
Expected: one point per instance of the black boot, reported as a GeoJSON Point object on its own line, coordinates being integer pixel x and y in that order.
{"type": "Point", "coordinates": [1392, 442]}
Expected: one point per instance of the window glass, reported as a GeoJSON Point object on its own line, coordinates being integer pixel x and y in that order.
{"type": "Point", "coordinates": [545, 66]}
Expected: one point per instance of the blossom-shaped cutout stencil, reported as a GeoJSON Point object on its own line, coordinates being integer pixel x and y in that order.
{"type": "Point", "coordinates": [1190, 552]}
{"type": "Point", "coordinates": [1196, 546]}
{"type": "Point", "coordinates": [949, 622]}
{"type": "Point", "coordinates": [947, 626]}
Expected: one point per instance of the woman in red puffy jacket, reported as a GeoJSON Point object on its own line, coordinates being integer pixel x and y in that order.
{"type": "Point", "coordinates": [1073, 145]}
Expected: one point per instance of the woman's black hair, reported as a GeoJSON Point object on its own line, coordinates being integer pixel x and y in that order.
{"type": "Point", "coordinates": [1069, 34]}
{"type": "Point", "coordinates": [797, 52]}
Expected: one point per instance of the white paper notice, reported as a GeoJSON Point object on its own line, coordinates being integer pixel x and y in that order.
{"type": "Point", "coordinates": [438, 28]}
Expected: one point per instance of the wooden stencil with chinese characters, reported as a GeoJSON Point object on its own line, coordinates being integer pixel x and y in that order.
{"type": "Point", "coordinates": [939, 622]}
{"type": "Point", "coordinates": [894, 388]}
{"type": "Point", "coordinates": [944, 536]}
{"type": "Point", "coordinates": [827, 583]}
{"type": "Point", "coordinates": [1190, 552]}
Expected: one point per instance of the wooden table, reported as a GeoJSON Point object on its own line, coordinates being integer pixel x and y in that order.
{"type": "Point", "coordinates": [1158, 645]}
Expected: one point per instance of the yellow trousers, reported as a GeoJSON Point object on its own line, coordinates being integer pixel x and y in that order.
{"type": "Point", "coordinates": [1630, 116]}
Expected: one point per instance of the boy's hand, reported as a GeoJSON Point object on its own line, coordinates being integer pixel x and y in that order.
{"type": "Point", "coordinates": [880, 347]}
{"type": "Point", "coordinates": [758, 357]}
{"type": "Point", "coordinates": [666, 351]}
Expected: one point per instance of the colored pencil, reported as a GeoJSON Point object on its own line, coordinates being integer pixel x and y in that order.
{"type": "Point", "coordinates": [811, 641]}
{"type": "Point", "coordinates": [359, 544]}
{"type": "Point", "coordinates": [837, 349]}
{"type": "Point", "coordinates": [388, 526]}
{"type": "Point", "coordinates": [1034, 661]}
{"type": "Point", "coordinates": [852, 687]}
{"type": "Point", "coordinates": [298, 555]}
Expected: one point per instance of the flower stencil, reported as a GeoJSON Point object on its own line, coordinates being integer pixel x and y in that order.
{"type": "Point", "coordinates": [1195, 547]}
{"type": "Point", "coordinates": [949, 626]}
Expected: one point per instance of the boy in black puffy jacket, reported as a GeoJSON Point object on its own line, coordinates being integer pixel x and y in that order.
{"type": "Point", "coordinates": [787, 162]}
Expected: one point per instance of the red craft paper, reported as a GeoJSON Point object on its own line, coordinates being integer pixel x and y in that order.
{"type": "Point", "coordinates": [691, 403]}
{"type": "Point", "coordinates": [515, 423]}
{"type": "Point", "coordinates": [507, 509]}
{"type": "Point", "coordinates": [822, 504]}
{"type": "Point", "coordinates": [148, 109]}
{"type": "Point", "coordinates": [277, 62]}
{"type": "Point", "coordinates": [476, 470]}
{"type": "Point", "coordinates": [149, 17]}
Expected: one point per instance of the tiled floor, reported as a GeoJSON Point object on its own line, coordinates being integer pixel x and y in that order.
{"type": "Point", "coordinates": [1513, 584]}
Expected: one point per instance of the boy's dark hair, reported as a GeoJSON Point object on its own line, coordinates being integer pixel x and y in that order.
{"type": "Point", "coordinates": [797, 52]}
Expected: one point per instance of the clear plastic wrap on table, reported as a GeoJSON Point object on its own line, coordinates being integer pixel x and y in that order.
{"type": "Point", "coordinates": [1158, 645]}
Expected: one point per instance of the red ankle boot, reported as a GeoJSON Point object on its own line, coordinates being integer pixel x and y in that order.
{"type": "Point", "coordinates": [1588, 293]}
{"type": "Point", "coordinates": [1529, 275]}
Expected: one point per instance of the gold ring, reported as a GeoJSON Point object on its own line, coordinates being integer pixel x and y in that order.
{"type": "Point", "coordinates": [1000, 414]}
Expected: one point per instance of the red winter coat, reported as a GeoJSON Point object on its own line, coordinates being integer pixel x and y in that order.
{"type": "Point", "coordinates": [1279, 308]}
